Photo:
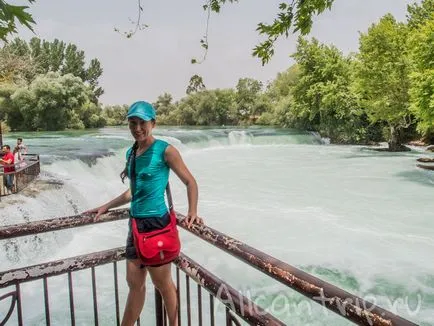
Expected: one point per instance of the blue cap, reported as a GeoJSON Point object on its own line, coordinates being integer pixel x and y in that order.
{"type": "Point", "coordinates": [142, 110]}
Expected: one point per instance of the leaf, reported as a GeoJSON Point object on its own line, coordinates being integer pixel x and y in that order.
{"type": "Point", "coordinates": [9, 14]}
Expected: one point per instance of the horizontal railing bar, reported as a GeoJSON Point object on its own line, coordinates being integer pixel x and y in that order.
{"type": "Point", "coordinates": [17, 167]}
{"type": "Point", "coordinates": [330, 296]}
{"type": "Point", "coordinates": [58, 267]}
{"type": "Point", "coordinates": [230, 297]}
{"type": "Point", "coordinates": [245, 308]}
{"type": "Point", "coordinates": [59, 223]}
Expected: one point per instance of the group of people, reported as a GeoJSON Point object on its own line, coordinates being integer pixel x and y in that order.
{"type": "Point", "coordinates": [9, 160]}
{"type": "Point", "coordinates": [148, 163]}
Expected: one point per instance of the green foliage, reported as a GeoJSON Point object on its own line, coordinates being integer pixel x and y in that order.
{"type": "Point", "coordinates": [47, 86]}
{"type": "Point", "coordinates": [4, 127]}
{"type": "Point", "coordinates": [322, 98]}
{"type": "Point", "coordinates": [92, 75]}
{"type": "Point", "coordinates": [25, 61]}
{"type": "Point", "coordinates": [48, 103]}
{"type": "Point", "coordinates": [418, 13]}
{"type": "Point", "coordinates": [10, 15]}
{"type": "Point", "coordinates": [284, 82]}
{"type": "Point", "coordinates": [247, 95]}
{"type": "Point", "coordinates": [115, 115]}
{"type": "Point", "coordinates": [296, 15]}
{"type": "Point", "coordinates": [195, 85]}
{"type": "Point", "coordinates": [382, 75]}
{"type": "Point", "coordinates": [207, 107]}
{"type": "Point", "coordinates": [16, 65]}
{"type": "Point", "coordinates": [422, 90]}
{"type": "Point", "coordinates": [164, 105]}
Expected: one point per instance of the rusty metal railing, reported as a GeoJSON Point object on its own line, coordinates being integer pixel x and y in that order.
{"type": "Point", "coordinates": [205, 280]}
{"type": "Point", "coordinates": [24, 172]}
{"type": "Point", "coordinates": [333, 298]}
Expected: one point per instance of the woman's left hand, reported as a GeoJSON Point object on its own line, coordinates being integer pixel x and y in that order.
{"type": "Point", "coordinates": [193, 219]}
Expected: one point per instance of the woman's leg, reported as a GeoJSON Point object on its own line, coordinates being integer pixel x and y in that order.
{"type": "Point", "coordinates": [136, 279]}
{"type": "Point", "coordinates": [162, 279]}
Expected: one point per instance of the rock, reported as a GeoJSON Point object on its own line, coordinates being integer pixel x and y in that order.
{"type": "Point", "coordinates": [417, 143]}
{"type": "Point", "coordinates": [430, 148]}
{"type": "Point", "coordinates": [426, 167]}
{"type": "Point", "coordinates": [425, 160]}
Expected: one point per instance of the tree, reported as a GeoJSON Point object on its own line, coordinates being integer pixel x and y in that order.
{"type": "Point", "coordinates": [248, 90]}
{"type": "Point", "coordinates": [164, 104]}
{"type": "Point", "coordinates": [195, 85]}
{"type": "Point", "coordinates": [56, 54]}
{"type": "Point", "coordinates": [284, 82]}
{"type": "Point", "coordinates": [322, 99]}
{"type": "Point", "coordinates": [115, 115]}
{"type": "Point", "coordinates": [44, 56]}
{"type": "Point", "coordinates": [382, 77]}
{"type": "Point", "coordinates": [418, 13]}
{"type": "Point", "coordinates": [48, 103]}
{"type": "Point", "coordinates": [422, 89]}
{"type": "Point", "coordinates": [74, 62]}
{"type": "Point", "coordinates": [16, 66]}
{"type": "Point", "coordinates": [92, 75]}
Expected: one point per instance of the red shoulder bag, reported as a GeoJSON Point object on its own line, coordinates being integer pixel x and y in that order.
{"type": "Point", "coordinates": [158, 247]}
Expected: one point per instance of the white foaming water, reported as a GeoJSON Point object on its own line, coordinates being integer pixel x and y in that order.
{"type": "Point", "coordinates": [359, 219]}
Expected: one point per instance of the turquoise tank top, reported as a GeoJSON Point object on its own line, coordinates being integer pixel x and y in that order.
{"type": "Point", "coordinates": [152, 175]}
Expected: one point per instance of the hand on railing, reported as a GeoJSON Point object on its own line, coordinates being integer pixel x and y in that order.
{"type": "Point", "coordinates": [193, 219]}
{"type": "Point", "coordinates": [98, 210]}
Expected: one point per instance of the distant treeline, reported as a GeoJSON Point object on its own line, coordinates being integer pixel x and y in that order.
{"type": "Point", "coordinates": [383, 92]}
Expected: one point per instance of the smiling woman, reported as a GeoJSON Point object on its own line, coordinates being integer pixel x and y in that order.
{"type": "Point", "coordinates": [148, 165]}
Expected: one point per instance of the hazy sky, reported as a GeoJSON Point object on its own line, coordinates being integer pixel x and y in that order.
{"type": "Point", "coordinates": [157, 59]}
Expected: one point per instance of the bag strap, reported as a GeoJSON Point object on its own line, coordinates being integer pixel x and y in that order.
{"type": "Point", "coordinates": [169, 196]}
{"type": "Point", "coordinates": [132, 163]}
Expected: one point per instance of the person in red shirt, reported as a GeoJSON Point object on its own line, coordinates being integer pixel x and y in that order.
{"type": "Point", "coordinates": [8, 162]}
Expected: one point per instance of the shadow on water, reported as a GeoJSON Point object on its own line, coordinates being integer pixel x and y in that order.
{"type": "Point", "coordinates": [423, 177]}
{"type": "Point", "coordinates": [363, 152]}
{"type": "Point", "coordinates": [90, 159]}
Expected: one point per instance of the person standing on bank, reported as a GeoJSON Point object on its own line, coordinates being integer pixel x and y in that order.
{"type": "Point", "coordinates": [153, 160]}
{"type": "Point", "coordinates": [8, 162]}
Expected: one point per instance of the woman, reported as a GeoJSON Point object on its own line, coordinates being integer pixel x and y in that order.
{"type": "Point", "coordinates": [153, 160]}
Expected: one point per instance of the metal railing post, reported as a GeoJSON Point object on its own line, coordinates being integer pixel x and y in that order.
{"type": "Point", "coordinates": [159, 316]}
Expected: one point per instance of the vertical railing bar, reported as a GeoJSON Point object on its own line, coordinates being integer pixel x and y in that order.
{"type": "Point", "coordinates": [228, 317]}
{"type": "Point", "coordinates": [71, 299]}
{"type": "Point", "coordinates": [235, 320]}
{"type": "Point", "coordinates": [47, 303]}
{"type": "Point", "coordinates": [178, 295]}
{"type": "Point", "coordinates": [95, 301]}
{"type": "Point", "coordinates": [115, 271]}
{"type": "Point", "coordinates": [19, 308]}
{"type": "Point", "coordinates": [211, 310]}
{"type": "Point", "coordinates": [187, 284]}
{"type": "Point", "coordinates": [199, 303]}
{"type": "Point", "coordinates": [158, 308]}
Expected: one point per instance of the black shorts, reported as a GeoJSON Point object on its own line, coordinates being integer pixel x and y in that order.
{"type": "Point", "coordinates": [144, 225]}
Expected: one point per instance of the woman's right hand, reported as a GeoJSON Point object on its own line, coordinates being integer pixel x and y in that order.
{"type": "Point", "coordinates": [99, 211]}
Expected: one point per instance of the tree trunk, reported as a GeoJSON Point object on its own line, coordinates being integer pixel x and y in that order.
{"type": "Point", "coordinates": [395, 141]}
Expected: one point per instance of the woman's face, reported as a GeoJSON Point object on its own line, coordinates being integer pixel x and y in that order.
{"type": "Point", "coordinates": [140, 129]}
